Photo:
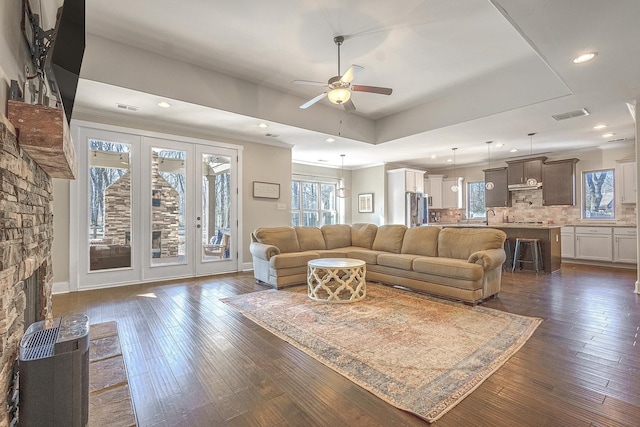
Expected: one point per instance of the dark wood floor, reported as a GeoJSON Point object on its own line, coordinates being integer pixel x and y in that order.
{"type": "Point", "coordinates": [193, 361]}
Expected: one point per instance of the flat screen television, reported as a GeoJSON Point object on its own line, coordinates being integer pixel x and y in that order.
{"type": "Point", "coordinates": [65, 52]}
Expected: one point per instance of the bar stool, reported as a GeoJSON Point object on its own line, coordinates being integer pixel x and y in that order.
{"type": "Point", "coordinates": [534, 248]}
{"type": "Point", "coordinates": [508, 263]}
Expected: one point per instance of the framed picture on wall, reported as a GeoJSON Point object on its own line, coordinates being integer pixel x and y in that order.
{"type": "Point", "coordinates": [365, 202]}
{"type": "Point", "coordinates": [266, 190]}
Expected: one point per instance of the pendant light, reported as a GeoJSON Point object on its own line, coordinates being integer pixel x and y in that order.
{"type": "Point", "coordinates": [489, 185]}
{"type": "Point", "coordinates": [454, 187]}
{"type": "Point", "coordinates": [531, 181]}
{"type": "Point", "coordinates": [342, 191]}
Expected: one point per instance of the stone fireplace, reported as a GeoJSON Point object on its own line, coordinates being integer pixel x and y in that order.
{"type": "Point", "coordinates": [26, 234]}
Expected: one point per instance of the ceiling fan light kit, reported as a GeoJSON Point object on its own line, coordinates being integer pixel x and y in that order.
{"type": "Point", "coordinates": [339, 87]}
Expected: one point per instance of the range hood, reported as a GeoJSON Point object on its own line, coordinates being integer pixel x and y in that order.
{"type": "Point", "coordinates": [526, 186]}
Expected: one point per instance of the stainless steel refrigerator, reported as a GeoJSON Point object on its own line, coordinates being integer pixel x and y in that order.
{"type": "Point", "coordinates": [416, 209]}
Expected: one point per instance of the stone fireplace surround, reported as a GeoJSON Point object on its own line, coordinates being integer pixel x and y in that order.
{"type": "Point", "coordinates": [26, 234]}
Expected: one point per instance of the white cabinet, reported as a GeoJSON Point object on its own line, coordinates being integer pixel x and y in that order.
{"type": "Point", "coordinates": [568, 244]}
{"type": "Point", "coordinates": [433, 187]}
{"type": "Point", "coordinates": [452, 199]}
{"type": "Point", "coordinates": [594, 243]}
{"type": "Point", "coordinates": [626, 177]}
{"type": "Point", "coordinates": [625, 245]}
{"type": "Point", "coordinates": [413, 180]}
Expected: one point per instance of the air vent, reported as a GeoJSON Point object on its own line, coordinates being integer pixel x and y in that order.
{"type": "Point", "coordinates": [271, 135]}
{"type": "Point", "coordinates": [617, 140]}
{"type": "Point", "coordinates": [571, 114]}
{"type": "Point", "coordinates": [127, 107]}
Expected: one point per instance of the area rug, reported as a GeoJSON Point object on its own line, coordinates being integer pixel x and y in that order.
{"type": "Point", "coordinates": [109, 397]}
{"type": "Point", "coordinates": [418, 353]}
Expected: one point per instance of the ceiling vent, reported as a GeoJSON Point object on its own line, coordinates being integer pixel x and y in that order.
{"type": "Point", "coordinates": [127, 107]}
{"type": "Point", "coordinates": [617, 140]}
{"type": "Point", "coordinates": [271, 135]}
{"type": "Point", "coordinates": [571, 114]}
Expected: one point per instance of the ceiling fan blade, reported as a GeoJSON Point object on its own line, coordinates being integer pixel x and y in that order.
{"type": "Point", "coordinates": [308, 82]}
{"type": "Point", "coordinates": [313, 101]}
{"type": "Point", "coordinates": [351, 73]}
{"type": "Point", "coordinates": [372, 89]}
{"type": "Point", "coordinates": [348, 106]}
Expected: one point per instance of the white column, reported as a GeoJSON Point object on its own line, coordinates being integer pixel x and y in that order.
{"type": "Point", "coordinates": [637, 105]}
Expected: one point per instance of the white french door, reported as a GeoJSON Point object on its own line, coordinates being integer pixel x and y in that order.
{"type": "Point", "coordinates": [153, 208]}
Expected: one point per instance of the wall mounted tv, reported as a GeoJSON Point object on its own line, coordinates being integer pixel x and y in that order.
{"type": "Point", "coordinates": [57, 54]}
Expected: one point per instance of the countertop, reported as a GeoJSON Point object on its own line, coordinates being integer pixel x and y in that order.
{"type": "Point", "coordinates": [503, 225]}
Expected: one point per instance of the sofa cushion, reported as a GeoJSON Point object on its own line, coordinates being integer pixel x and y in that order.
{"type": "Point", "coordinates": [336, 235]}
{"type": "Point", "coordinates": [290, 260]}
{"type": "Point", "coordinates": [421, 241]}
{"type": "Point", "coordinates": [402, 261]}
{"type": "Point", "coordinates": [448, 267]}
{"type": "Point", "coordinates": [367, 255]}
{"type": "Point", "coordinates": [284, 238]}
{"type": "Point", "coordinates": [362, 235]}
{"type": "Point", "coordinates": [389, 238]}
{"type": "Point", "coordinates": [310, 238]}
{"type": "Point", "coordinates": [460, 243]}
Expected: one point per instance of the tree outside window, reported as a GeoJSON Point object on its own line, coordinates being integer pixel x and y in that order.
{"type": "Point", "coordinates": [475, 200]}
{"type": "Point", "coordinates": [313, 203]}
{"type": "Point", "coordinates": [598, 194]}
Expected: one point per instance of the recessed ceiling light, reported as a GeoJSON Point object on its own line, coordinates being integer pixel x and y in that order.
{"type": "Point", "coordinates": [433, 156]}
{"type": "Point", "coordinates": [263, 125]}
{"type": "Point", "coordinates": [499, 144]}
{"type": "Point", "coordinates": [598, 127]}
{"type": "Point", "coordinates": [164, 104]}
{"type": "Point", "coordinates": [608, 135]}
{"type": "Point", "coordinates": [449, 160]}
{"type": "Point", "coordinates": [584, 57]}
{"type": "Point", "coordinates": [330, 139]}
{"type": "Point", "coordinates": [513, 150]}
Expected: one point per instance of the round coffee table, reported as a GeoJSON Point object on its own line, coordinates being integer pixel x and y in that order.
{"type": "Point", "coordinates": [336, 279]}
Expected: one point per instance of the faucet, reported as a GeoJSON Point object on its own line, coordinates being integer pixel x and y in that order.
{"type": "Point", "coordinates": [487, 215]}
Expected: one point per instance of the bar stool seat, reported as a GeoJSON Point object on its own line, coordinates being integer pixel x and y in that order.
{"type": "Point", "coordinates": [527, 246]}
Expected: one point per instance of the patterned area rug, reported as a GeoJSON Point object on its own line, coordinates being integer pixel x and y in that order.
{"type": "Point", "coordinates": [418, 353]}
{"type": "Point", "coordinates": [109, 397]}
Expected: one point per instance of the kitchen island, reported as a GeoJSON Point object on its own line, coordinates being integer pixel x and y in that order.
{"type": "Point", "coordinates": [549, 236]}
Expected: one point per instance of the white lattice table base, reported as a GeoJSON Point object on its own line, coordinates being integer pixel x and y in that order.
{"type": "Point", "coordinates": [336, 279]}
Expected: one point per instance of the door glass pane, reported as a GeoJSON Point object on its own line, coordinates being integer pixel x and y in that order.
{"type": "Point", "coordinates": [168, 189]}
{"type": "Point", "coordinates": [216, 207]}
{"type": "Point", "coordinates": [109, 205]}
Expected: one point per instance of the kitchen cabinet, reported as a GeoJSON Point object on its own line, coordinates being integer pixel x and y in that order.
{"type": "Point", "coordinates": [452, 199]}
{"type": "Point", "coordinates": [594, 243]}
{"type": "Point", "coordinates": [625, 245]}
{"type": "Point", "coordinates": [521, 171]}
{"type": "Point", "coordinates": [433, 187]}
{"type": "Point", "coordinates": [626, 176]}
{"type": "Point", "coordinates": [498, 195]}
{"type": "Point", "coordinates": [560, 176]}
{"type": "Point", "coordinates": [413, 180]}
{"type": "Point", "coordinates": [568, 236]}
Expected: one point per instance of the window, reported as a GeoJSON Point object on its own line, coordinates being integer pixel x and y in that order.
{"type": "Point", "coordinates": [598, 198]}
{"type": "Point", "coordinates": [313, 203]}
{"type": "Point", "coordinates": [475, 200]}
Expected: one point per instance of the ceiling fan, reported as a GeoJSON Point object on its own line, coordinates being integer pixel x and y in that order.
{"type": "Point", "coordinates": [339, 87]}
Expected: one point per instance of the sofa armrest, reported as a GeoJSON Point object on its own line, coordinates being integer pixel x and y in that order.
{"type": "Point", "coordinates": [488, 259]}
{"type": "Point", "coordinates": [263, 251]}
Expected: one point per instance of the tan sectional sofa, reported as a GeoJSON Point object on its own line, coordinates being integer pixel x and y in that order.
{"type": "Point", "coordinates": [459, 263]}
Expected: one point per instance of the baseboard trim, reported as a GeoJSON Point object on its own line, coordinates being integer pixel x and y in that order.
{"type": "Point", "coordinates": [60, 288]}
{"type": "Point", "coordinates": [247, 266]}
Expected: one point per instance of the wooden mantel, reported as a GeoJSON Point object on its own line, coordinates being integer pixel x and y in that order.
{"type": "Point", "coordinates": [43, 133]}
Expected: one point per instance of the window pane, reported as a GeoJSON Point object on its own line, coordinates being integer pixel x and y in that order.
{"type": "Point", "coordinates": [309, 195]}
{"type": "Point", "coordinates": [598, 194]}
{"type": "Point", "coordinates": [295, 219]}
{"type": "Point", "coordinates": [327, 197]}
{"type": "Point", "coordinates": [109, 205]}
{"type": "Point", "coordinates": [328, 218]}
{"type": "Point", "coordinates": [168, 181]}
{"type": "Point", "coordinates": [475, 202]}
{"type": "Point", "coordinates": [310, 219]}
{"type": "Point", "coordinates": [295, 195]}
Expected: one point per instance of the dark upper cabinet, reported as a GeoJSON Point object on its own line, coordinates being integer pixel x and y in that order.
{"type": "Point", "coordinates": [559, 182]}
{"type": "Point", "coordinates": [498, 196]}
{"type": "Point", "coordinates": [519, 171]}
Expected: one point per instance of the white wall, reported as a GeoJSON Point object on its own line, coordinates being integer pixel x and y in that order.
{"type": "Point", "coordinates": [369, 180]}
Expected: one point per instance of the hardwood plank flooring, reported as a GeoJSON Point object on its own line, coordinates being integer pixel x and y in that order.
{"type": "Point", "coordinates": [193, 361]}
